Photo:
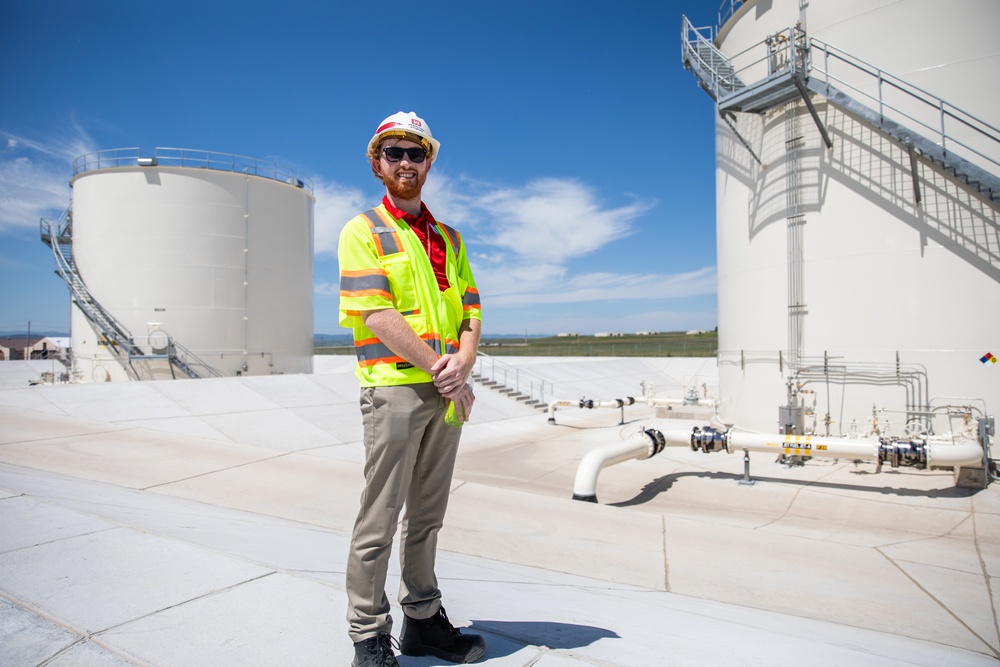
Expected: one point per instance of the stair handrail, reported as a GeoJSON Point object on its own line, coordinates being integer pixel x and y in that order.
{"type": "Point", "coordinates": [189, 362]}
{"type": "Point", "coordinates": [821, 65]}
{"type": "Point", "coordinates": [786, 46]}
{"type": "Point", "coordinates": [122, 342]}
{"type": "Point", "coordinates": [111, 328]}
{"type": "Point", "coordinates": [487, 368]}
{"type": "Point", "coordinates": [692, 36]}
{"type": "Point", "coordinates": [818, 61]}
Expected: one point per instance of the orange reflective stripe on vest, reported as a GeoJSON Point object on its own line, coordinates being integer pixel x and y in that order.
{"type": "Point", "coordinates": [386, 238]}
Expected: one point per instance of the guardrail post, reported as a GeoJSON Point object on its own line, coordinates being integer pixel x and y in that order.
{"type": "Point", "coordinates": [881, 102]}
{"type": "Point", "coordinates": [943, 135]}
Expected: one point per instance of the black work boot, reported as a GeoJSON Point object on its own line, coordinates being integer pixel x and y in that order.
{"type": "Point", "coordinates": [374, 652]}
{"type": "Point", "coordinates": [437, 636]}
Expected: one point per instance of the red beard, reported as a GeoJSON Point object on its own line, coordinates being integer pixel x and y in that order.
{"type": "Point", "coordinates": [404, 189]}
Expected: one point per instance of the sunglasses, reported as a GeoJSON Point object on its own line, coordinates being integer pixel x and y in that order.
{"type": "Point", "coordinates": [395, 153]}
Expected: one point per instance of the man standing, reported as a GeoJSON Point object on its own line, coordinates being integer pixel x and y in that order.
{"type": "Point", "coordinates": [407, 291]}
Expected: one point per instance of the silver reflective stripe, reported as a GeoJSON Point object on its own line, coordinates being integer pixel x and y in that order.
{"type": "Point", "coordinates": [377, 350]}
{"type": "Point", "coordinates": [452, 237]}
{"type": "Point", "coordinates": [372, 281]}
{"type": "Point", "coordinates": [373, 351]}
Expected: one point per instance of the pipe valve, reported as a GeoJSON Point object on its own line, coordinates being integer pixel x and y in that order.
{"type": "Point", "coordinates": [708, 440]}
{"type": "Point", "coordinates": [903, 453]}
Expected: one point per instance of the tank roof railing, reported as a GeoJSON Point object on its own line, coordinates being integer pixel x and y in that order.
{"type": "Point", "coordinates": [188, 157]}
{"type": "Point", "coordinates": [726, 10]}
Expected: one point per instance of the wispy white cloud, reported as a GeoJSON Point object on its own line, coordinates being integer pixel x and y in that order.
{"type": "Point", "coordinates": [526, 241]}
{"type": "Point", "coordinates": [335, 205]}
{"type": "Point", "coordinates": [555, 220]}
{"type": "Point", "coordinates": [34, 177]}
{"type": "Point", "coordinates": [547, 284]}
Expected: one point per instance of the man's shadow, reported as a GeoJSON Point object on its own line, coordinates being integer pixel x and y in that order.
{"type": "Point", "coordinates": [545, 634]}
{"type": "Point", "coordinates": [504, 638]}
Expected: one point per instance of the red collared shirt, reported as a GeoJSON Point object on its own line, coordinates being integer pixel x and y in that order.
{"type": "Point", "coordinates": [424, 226]}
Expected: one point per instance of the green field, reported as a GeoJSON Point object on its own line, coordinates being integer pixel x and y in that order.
{"type": "Point", "coordinates": [675, 344]}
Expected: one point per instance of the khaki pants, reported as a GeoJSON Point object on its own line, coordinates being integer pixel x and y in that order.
{"type": "Point", "coordinates": [409, 456]}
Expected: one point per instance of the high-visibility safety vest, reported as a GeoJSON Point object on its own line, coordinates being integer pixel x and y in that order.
{"type": "Point", "coordinates": [384, 265]}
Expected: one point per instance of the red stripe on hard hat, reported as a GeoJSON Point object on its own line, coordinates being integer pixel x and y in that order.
{"type": "Point", "coordinates": [386, 126]}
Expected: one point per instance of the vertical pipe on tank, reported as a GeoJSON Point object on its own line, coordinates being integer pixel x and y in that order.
{"type": "Point", "coordinates": [246, 269]}
{"type": "Point", "coordinates": [795, 223]}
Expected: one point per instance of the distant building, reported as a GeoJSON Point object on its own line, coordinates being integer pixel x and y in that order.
{"type": "Point", "coordinates": [608, 334]}
{"type": "Point", "coordinates": [55, 346]}
{"type": "Point", "coordinates": [695, 332]}
{"type": "Point", "coordinates": [14, 348]}
{"type": "Point", "coordinates": [645, 333]}
{"type": "Point", "coordinates": [567, 335]}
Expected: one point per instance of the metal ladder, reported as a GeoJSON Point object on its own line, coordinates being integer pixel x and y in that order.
{"type": "Point", "coordinates": [797, 65]}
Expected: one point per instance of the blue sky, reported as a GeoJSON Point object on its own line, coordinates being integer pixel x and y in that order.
{"type": "Point", "coordinates": [577, 154]}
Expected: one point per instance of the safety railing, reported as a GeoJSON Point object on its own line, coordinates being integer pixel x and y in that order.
{"type": "Point", "coordinates": [54, 234]}
{"type": "Point", "coordinates": [179, 357]}
{"type": "Point", "coordinates": [785, 51]}
{"type": "Point", "coordinates": [951, 128]}
{"type": "Point", "coordinates": [113, 334]}
{"type": "Point", "coordinates": [189, 157]}
{"type": "Point", "coordinates": [495, 373]}
{"type": "Point", "coordinates": [726, 10]}
{"type": "Point", "coordinates": [774, 71]}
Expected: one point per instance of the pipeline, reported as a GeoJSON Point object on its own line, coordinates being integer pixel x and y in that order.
{"type": "Point", "coordinates": [921, 452]}
{"type": "Point", "coordinates": [917, 452]}
{"type": "Point", "coordinates": [641, 445]}
{"type": "Point", "coordinates": [589, 404]}
{"type": "Point", "coordinates": [691, 399]}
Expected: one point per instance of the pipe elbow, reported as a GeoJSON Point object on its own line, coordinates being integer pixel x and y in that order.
{"type": "Point", "coordinates": [945, 455]}
{"type": "Point", "coordinates": [641, 445]}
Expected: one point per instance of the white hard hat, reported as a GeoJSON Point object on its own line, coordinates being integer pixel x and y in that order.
{"type": "Point", "coordinates": [401, 124]}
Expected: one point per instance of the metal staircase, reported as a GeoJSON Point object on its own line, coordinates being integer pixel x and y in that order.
{"type": "Point", "coordinates": [791, 65]}
{"type": "Point", "coordinates": [714, 71]}
{"type": "Point", "coordinates": [114, 336]}
{"type": "Point", "coordinates": [513, 382]}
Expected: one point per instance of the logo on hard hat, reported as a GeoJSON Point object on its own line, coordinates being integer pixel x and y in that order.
{"type": "Point", "coordinates": [416, 122]}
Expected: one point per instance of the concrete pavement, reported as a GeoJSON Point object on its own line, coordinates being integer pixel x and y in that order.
{"type": "Point", "coordinates": [206, 523]}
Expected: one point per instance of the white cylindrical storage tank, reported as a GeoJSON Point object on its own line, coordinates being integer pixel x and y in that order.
{"type": "Point", "coordinates": [833, 279]}
{"type": "Point", "coordinates": [205, 256]}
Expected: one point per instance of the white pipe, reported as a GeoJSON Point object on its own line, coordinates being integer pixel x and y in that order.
{"type": "Point", "coordinates": [641, 445]}
{"type": "Point", "coordinates": [691, 399]}
{"type": "Point", "coordinates": [943, 455]}
{"type": "Point", "coordinates": [938, 452]}
{"type": "Point", "coordinates": [649, 442]}
{"type": "Point", "coordinates": [807, 445]}
{"type": "Point", "coordinates": [664, 402]}
{"type": "Point", "coordinates": [586, 403]}
{"type": "Point", "coordinates": [559, 403]}
{"type": "Point", "coordinates": [677, 437]}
